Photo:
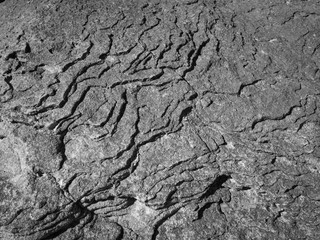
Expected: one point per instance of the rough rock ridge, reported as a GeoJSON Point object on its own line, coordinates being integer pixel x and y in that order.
{"type": "Point", "coordinates": [159, 119]}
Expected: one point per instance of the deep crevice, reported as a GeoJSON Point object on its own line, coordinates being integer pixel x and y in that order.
{"type": "Point", "coordinates": [185, 112]}
{"type": "Point", "coordinates": [217, 184]}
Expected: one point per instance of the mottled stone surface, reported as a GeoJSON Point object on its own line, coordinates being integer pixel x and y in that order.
{"type": "Point", "coordinates": [159, 119]}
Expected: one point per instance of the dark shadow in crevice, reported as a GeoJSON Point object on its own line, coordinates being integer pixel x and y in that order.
{"type": "Point", "coordinates": [202, 210]}
{"type": "Point", "coordinates": [217, 184]}
{"type": "Point", "coordinates": [185, 112]}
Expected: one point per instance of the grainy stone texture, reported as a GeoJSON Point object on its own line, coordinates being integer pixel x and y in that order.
{"type": "Point", "coordinates": [161, 119]}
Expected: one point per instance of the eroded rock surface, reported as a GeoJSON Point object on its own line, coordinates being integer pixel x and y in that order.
{"type": "Point", "coordinates": [182, 119]}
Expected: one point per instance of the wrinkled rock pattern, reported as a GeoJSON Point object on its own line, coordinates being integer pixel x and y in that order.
{"type": "Point", "coordinates": [162, 119]}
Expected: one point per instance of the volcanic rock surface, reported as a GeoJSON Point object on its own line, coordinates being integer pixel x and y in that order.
{"type": "Point", "coordinates": [159, 119]}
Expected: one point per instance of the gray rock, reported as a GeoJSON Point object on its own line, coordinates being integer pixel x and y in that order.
{"type": "Point", "coordinates": [183, 119]}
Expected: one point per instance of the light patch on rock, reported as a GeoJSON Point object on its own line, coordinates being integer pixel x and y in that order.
{"type": "Point", "coordinates": [53, 69]}
{"type": "Point", "coordinates": [141, 217]}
